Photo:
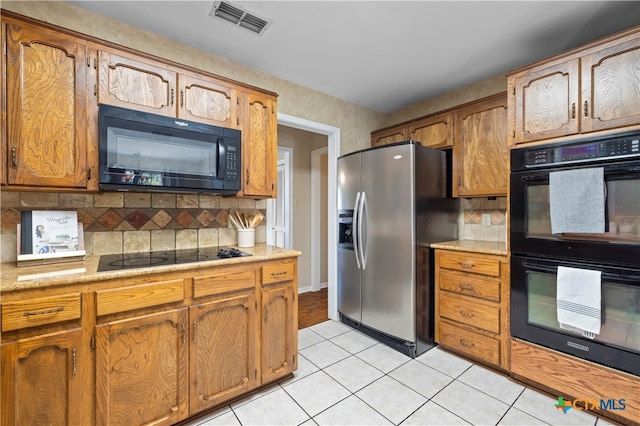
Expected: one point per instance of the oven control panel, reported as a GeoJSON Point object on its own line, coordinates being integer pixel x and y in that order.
{"type": "Point", "coordinates": [579, 152]}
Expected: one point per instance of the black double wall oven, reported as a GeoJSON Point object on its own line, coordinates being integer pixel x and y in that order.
{"type": "Point", "coordinates": [546, 241]}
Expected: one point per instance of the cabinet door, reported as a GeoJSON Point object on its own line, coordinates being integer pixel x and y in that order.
{"type": "Point", "coordinates": [141, 370]}
{"type": "Point", "coordinates": [46, 123]}
{"type": "Point", "coordinates": [205, 101]}
{"type": "Point", "coordinates": [387, 136]}
{"type": "Point", "coordinates": [130, 83]}
{"type": "Point", "coordinates": [547, 102]}
{"type": "Point", "coordinates": [41, 383]}
{"type": "Point", "coordinates": [279, 325]}
{"type": "Point", "coordinates": [259, 146]}
{"type": "Point", "coordinates": [611, 87]}
{"type": "Point", "coordinates": [480, 151]}
{"type": "Point", "coordinates": [223, 350]}
{"type": "Point", "coordinates": [435, 131]}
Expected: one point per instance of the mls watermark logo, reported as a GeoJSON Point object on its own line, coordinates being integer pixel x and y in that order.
{"type": "Point", "coordinates": [590, 404]}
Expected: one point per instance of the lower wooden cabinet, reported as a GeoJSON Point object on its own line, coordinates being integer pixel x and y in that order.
{"type": "Point", "coordinates": [472, 305]}
{"type": "Point", "coordinates": [152, 349]}
{"type": "Point", "coordinates": [141, 369]}
{"type": "Point", "coordinates": [222, 355]}
{"type": "Point", "coordinates": [41, 381]}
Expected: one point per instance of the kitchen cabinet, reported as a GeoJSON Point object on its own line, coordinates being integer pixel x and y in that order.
{"type": "Point", "coordinates": [224, 346]}
{"type": "Point", "coordinates": [47, 144]}
{"type": "Point", "coordinates": [389, 135]}
{"type": "Point", "coordinates": [472, 305]}
{"type": "Point", "coordinates": [127, 81]}
{"type": "Point", "coordinates": [43, 361]}
{"type": "Point", "coordinates": [141, 356]}
{"type": "Point", "coordinates": [259, 146]}
{"type": "Point", "coordinates": [589, 89]}
{"type": "Point", "coordinates": [279, 307]}
{"type": "Point", "coordinates": [207, 101]}
{"type": "Point", "coordinates": [141, 369]}
{"type": "Point", "coordinates": [480, 150]}
{"type": "Point", "coordinates": [40, 380]}
{"type": "Point", "coordinates": [151, 347]}
{"type": "Point", "coordinates": [435, 131]}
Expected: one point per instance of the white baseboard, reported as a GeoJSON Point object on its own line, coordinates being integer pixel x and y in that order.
{"type": "Point", "coordinates": [308, 288]}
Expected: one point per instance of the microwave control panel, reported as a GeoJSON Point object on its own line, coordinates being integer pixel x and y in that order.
{"type": "Point", "coordinates": [581, 152]}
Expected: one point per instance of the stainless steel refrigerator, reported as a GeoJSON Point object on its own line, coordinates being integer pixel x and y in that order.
{"type": "Point", "coordinates": [392, 203]}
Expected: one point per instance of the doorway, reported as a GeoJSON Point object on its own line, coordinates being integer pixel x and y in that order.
{"type": "Point", "coordinates": [333, 150]}
{"type": "Point", "coordinates": [279, 209]}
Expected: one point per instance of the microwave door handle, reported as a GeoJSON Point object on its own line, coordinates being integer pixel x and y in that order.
{"type": "Point", "coordinates": [222, 159]}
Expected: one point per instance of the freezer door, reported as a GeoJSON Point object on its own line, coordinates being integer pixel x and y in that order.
{"type": "Point", "coordinates": [349, 292]}
{"type": "Point", "coordinates": [388, 275]}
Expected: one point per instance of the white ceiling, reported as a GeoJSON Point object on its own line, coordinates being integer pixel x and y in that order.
{"type": "Point", "coordinates": [383, 55]}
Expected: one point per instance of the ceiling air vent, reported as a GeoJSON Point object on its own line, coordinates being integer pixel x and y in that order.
{"type": "Point", "coordinates": [239, 16]}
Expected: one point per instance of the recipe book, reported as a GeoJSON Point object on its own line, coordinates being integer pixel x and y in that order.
{"type": "Point", "coordinates": [49, 236]}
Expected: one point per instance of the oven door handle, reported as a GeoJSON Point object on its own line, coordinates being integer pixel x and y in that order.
{"type": "Point", "coordinates": [535, 178]}
{"type": "Point", "coordinates": [620, 278]}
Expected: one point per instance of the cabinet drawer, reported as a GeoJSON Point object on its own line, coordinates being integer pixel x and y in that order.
{"type": "Point", "coordinates": [223, 283]}
{"type": "Point", "coordinates": [277, 273]}
{"type": "Point", "coordinates": [40, 311]}
{"type": "Point", "coordinates": [470, 343]}
{"type": "Point", "coordinates": [468, 262]}
{"type": "Point", "coordinates": [139, 296]}
{"type": "Point", "coordinates": [469, 284]}
{"type": "Point", "coordinates": [468, 311]}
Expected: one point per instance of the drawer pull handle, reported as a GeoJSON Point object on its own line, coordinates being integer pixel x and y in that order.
{"type": "Point", "coordinates": [48, 311]}
{"type": "Point", "coordinates": [466, 344]}
{"type": "Point", "coordinates": [467, 314]}
{"type": "Point", "coordinates": [278, 274]}
{"type": "Point", "coordinates": [466, 287]}
{"type": "Point", "coordinates": [466, 265]}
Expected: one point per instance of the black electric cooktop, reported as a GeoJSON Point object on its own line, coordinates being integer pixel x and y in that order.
{"type": "Point", "coordinates": [113, 262]}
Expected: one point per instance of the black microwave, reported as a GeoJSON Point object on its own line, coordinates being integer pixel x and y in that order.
{"type": "Point", "coordinates": [140, 151]}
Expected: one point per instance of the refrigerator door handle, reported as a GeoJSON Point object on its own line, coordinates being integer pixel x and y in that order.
{"type": "Point", "coordinates": [361, 219]}
{"type": "Point", "coordinates": [356, 235]}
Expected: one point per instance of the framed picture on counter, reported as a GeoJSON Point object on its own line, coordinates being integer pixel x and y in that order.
{"type": "Point", "coordinates": [46, 236]}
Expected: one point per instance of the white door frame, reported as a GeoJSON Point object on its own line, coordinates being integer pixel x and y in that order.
{"type": "Point", "coordinates": [333, 134]}
{"type": "Point", "coordinates": [316, 255]}
{"type": "Point", "coordinates": [288, 211]}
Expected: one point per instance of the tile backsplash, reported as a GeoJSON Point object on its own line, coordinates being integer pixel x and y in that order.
{"type": "Point", "coordinates": [483, 219]}
{"type": "Point", "coordinates": [118, 222]}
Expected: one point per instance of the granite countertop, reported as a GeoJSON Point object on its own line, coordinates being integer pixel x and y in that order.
{"type": "Point", "coordinates": [86, 271]}
{"type": "Point", "coordinates": [487, 247]}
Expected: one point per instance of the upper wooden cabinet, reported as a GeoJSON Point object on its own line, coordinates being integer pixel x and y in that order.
{"type": "Point", "coordinates": [55, 80]}
{"type": "Point", "coordinates": [206, 101]}
{"type": "Point", "coordinates": [480, 151]}
{"type": "Point", "coordinates": [435, 131]}
{"type": "Point", "coordinates": [46, 111]}
{"type": "Point", "coordinates": [590, 89]}
{"type": "Point", "coordinates": [390, 135]}
{"type": "Point", "coordinates": [127, 81]}
{"type": "Point", "coordinates": [259, 146]}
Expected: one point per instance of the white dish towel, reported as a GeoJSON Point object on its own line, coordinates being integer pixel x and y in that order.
{"type": "Point", "coordinates": [577, 201]}
{"type": "Point", "coordinates": [578, 301]}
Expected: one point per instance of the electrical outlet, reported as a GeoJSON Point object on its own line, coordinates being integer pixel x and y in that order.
{"type": "Point", "coordinates": [486, 218]}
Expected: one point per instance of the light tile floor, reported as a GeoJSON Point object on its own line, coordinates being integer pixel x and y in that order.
{"type": "Point", "coordinates": [346, 378]}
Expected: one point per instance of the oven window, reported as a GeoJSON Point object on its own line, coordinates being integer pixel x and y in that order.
{"type": "Point", "coordinates": [620, 310]}
{"type": "Point", "coordinates": [622, 212]}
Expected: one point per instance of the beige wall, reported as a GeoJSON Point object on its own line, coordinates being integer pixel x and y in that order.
{"type": "Point", "coordinates": [302, 143]}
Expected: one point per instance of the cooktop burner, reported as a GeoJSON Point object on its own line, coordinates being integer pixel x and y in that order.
{"type": "Point", "coordinates": [112, 262]}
